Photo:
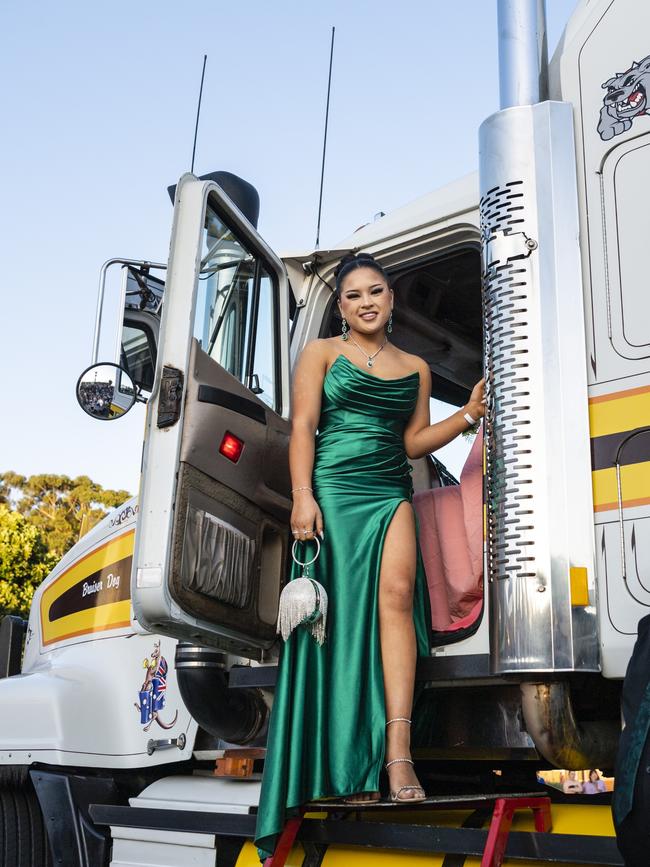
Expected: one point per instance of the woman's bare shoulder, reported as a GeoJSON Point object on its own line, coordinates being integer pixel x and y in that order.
{"type": "Point", "coordinates": [319, 353]}
{"type": "Point", "coordinates": [321, 349]}
{"type": "Point", "coordinates": [413, 362]}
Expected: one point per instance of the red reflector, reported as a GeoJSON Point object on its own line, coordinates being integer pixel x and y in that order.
{"type": "Point", "coordinates": [231, 447]}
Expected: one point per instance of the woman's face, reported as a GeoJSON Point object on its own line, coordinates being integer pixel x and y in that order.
{"type": "Point", "coordinates": [365, 300]}
{"type": "Point", "coordinates": [593, 777]}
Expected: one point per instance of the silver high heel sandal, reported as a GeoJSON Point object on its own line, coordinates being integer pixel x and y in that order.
{"type": "Point", "coordinates": [395, 796]}
{"type": "Point", "coordinates": [361, 802]}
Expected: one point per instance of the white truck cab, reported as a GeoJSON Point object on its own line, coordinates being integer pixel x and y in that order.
{"type": "Point", "coordinates": [528, 271]}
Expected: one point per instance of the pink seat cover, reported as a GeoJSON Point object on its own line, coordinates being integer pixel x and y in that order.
{"type": "Point", "coordinates": [451, 540]}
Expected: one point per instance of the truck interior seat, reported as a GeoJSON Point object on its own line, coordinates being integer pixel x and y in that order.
{"type": "Point", "coordinates": [451, 539]}
{"type": "Point", "coordinates": [425, 473]}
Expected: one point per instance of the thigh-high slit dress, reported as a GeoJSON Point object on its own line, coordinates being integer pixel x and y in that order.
{"type": "Point", "coordinates": [327, 727]}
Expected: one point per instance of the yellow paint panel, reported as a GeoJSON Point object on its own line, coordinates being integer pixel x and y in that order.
{"type": "Point", "coordinates": [635, 486]}
{"type": "Point", "coordinates": [567, 819]}
{"type": "Point", "coordinates": [96, 618]}
{"type": "Point", "coordinates": [248, 856]}
{"type": "Point", "coordinates": [579, 585]}
{"type": "Point", "coordinates": [620, 413]}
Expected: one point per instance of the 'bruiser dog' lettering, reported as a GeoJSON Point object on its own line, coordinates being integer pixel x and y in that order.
{"type": "Point", "coordinates": [98, 586]}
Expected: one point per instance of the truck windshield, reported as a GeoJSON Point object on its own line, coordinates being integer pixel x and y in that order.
{"type": "Point", "coordinates": [225, 292]}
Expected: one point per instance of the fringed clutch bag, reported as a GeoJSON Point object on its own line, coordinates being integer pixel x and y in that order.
{"type": "Point", "coordinates": [303, 602]}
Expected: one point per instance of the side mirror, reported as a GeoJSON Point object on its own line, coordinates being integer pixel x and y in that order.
{"type": "Point", "coordinates": [106, 391]}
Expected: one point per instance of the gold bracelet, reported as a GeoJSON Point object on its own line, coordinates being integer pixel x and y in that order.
{"type": "Point", "coordinates": [303, 488]}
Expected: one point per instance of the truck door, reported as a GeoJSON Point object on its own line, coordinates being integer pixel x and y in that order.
{"type": "Point", "coordinates": [212, 536]}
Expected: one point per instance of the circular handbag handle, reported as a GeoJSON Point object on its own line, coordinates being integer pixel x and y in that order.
{"type": "Point", "coordinates": [309, 562]}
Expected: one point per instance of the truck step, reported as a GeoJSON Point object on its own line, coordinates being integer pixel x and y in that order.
{"type": "Point", "coordinates": [540, 846]}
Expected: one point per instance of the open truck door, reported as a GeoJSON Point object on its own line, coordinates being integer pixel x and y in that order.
{"type": "Point", "coordinates": [212, 536]}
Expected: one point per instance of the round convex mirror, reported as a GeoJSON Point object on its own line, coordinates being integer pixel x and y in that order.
{"type": "Point", "coordinates": [105, 391]}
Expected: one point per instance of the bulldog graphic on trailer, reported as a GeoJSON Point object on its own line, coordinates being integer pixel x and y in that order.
{"type": "Point", "coordinates": [626, 98]}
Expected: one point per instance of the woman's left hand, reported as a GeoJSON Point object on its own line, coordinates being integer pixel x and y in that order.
{"type": "Point", "coordinates": [475, 406]}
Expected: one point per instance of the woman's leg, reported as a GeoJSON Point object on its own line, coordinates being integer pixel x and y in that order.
{"type": "Point", "coordinates": [398, 644]}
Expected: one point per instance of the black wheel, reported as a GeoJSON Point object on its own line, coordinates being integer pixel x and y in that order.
{"type": "Point", "coordinates": [23, 841]}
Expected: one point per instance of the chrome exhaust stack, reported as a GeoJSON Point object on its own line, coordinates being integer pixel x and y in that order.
{"type": "Point", "coordinates": [539, 505]}
{"type": "Point", "coordinates": [523, 52]}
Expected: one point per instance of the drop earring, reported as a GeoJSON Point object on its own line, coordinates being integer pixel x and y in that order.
{"type": "Point", "coordinates": [344, 330]}
{"type": "Point", "coordinates": [390, 323]}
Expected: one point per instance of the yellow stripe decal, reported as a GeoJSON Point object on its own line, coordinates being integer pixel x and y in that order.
{"type": "Point", "coordinates": [93, 595]}
{"type": "Point", "coordinates": [635, 486]}
{"type": "Point", "coordinates": [620, 411]}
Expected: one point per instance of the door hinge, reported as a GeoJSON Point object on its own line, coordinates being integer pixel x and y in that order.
{"type": "Point", "coordinates": [171, 393]}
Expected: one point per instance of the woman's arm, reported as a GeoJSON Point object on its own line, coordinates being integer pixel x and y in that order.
{"type": "Point", "coordinates": [420, 436]}
{"type": "Point", "coordinates": [305, 412]}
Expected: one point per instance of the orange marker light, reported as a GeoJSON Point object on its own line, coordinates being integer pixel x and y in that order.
{"type": "Point", "coordinates": [231, 447]}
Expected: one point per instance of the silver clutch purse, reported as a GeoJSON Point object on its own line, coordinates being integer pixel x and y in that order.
{"type": "Point", "coordinates": [303, 602]}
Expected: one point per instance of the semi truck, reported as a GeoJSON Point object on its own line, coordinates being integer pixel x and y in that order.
{"type": "Point", "coordinates": [150, 653]}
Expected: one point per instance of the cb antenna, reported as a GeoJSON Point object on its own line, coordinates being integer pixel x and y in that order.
{"type": "Point", "coordinates": [198, 111]}
{"type": "Point", "coordinates": [322, 169]}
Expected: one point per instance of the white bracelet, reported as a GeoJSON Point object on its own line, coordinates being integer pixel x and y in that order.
{"type": "Point", "coordinates": [468, 418]}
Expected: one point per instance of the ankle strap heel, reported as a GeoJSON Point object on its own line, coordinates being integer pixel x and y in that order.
{"type": "Point", "coordinates": [396, 798]}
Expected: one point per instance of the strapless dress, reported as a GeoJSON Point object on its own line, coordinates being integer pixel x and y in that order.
{"type": "Point", "coordinates": [327, 728]}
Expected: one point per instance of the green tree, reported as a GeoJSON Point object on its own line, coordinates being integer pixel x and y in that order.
{"type": "Point", "coordinates": [57, 506]}
{"type": "Point", "coordinates": [24, 562]}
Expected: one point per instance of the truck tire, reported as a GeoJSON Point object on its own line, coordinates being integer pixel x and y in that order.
{"type": "Point", "coordinates": [23, 839]}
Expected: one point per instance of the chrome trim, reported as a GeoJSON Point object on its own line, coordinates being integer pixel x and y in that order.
{"type": "Point", "coordinates": [165, 744]}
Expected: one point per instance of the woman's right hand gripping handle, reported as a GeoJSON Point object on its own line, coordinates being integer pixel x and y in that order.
{"type": "Point", "coordinates": [306, 516]}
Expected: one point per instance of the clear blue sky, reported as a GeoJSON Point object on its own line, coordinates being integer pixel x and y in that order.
{"type": "Point", "coordinates": [98, 104]}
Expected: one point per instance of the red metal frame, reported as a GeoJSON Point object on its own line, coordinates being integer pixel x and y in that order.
{"type": "Point", "coordinates": [504, 810]}
{"type": "Point", "coordinates": [285, 842]}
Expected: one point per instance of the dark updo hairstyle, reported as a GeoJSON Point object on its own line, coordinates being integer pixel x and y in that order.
{"type": "Point", "coordinates": [356, 260]}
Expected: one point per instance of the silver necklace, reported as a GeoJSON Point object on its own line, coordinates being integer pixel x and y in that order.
{"type": "Point", "coordinates": [370, 358]}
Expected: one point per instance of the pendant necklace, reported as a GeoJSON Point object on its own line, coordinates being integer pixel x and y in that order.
{"type": "Point", "coordinates": [370, 358]}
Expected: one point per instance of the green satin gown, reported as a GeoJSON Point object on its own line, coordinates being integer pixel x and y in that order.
{"type": "Point", "coordinates": [327, 728]}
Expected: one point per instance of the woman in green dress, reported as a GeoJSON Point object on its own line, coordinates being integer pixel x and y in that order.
{"type": "Point", "coordinates": [341, 711]}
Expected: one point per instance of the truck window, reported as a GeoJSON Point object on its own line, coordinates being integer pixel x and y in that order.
{"type": "Point", "coordinates": [631, 183]}
{"type": "Point", "coordinates": [263, 360]}
{"type": "Point", "coordinates": [236, 309]}
{"type": "Point", "coordinates": [138, 354]}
